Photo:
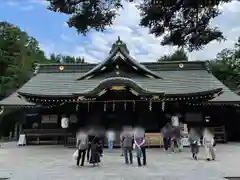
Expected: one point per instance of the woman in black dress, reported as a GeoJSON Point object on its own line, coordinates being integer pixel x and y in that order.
{"type": "Point", "coordinates": [96, 150]}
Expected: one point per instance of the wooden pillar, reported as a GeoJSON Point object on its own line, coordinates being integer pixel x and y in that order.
{"type": "Point", "coordinates": [16, 130]}
{"type": "Point", "coordinates": [59, 116]}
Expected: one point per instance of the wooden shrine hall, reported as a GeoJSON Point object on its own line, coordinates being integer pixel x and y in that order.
{"type": "Point", "coordinates": [121, 91]}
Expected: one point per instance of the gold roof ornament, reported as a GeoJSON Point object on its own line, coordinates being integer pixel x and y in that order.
{"type": "Point", "coordinates": [117, 88]}
{"type": "Point", "coordinates": [61, 68]}
{"type": "Point", "coordinates": [181, 65]}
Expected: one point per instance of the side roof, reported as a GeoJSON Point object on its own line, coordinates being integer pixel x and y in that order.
{"type": "Point", "coordinates": [15, 100]}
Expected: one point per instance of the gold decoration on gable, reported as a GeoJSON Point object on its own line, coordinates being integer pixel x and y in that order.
{"type": "Point", "coordinates": [155, 97]}
{"type": "Point", "coordinates": [118, 88]}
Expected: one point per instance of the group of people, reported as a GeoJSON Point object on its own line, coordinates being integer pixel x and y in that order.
{"type": "Point", "coordinates": [207, 141]}
{"type": "Point", "coordinates": [130, 140]}
{"type": "Point", "coordinates": [89, 143]}
{"type": "Point", "coordinates": [172, 136]}
{"type": "Point", "coordinates": [133, 139]}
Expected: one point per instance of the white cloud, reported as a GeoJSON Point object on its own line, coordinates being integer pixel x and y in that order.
{"type": "Point", "coordinates": [12, 3]}
{"type": "Point", "coordinates": [48, 48]}
{"type": "Point", "coordinates": [231, 7]}
{"type": "Point", "coordinates": [27, 8]}
{"type": "Point", "coordinates": [66, 38]}
{"type": "Point", "coordinates": [41, 2]}
{"type": "Point", "coordinates": [144, 46]}
{"type": "Point", "coordinates": [65, 24]}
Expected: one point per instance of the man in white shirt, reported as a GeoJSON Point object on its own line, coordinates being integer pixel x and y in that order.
{"type": "Point", "coordinates": [175, 121]}
{"type": "Point", "coordinates": [176, 131]}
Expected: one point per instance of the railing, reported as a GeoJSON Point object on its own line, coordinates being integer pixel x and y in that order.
{"type": "Point", "coordinates": [220, 134]}
{"type": "Point", "coordinates": [51, 136]}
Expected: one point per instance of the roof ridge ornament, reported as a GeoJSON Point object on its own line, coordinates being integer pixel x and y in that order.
{"type": "Point", "coordinates": [119, 44]}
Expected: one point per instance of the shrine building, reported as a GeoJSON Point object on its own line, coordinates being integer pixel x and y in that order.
{"type": "Point", "coordinates": [121, 91]}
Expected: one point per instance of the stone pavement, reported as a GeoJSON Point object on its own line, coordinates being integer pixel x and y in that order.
{"type": "Point", "coordinates": [56, 163]}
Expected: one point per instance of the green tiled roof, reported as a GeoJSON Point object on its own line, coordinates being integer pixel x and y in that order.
{"type": "Point", "coordinates": [171, 78]}
{"type": "Point", "coordinates": [174, 81]}
{"type": "Point", "coordinates": [15, 100]}
{"type": "Point", "coordinates": [192, 78]}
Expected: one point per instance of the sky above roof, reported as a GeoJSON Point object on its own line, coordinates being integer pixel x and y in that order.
{"type": "Point", "coordinates": [54, 36]}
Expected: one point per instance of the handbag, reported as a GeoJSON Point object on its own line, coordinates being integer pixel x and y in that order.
{"type": "Point", "coordinates": [75, 155]}
{"type": "Point", "coordinates": [138, 152]}
{"type": "Point", "coordinates": [134, 146]}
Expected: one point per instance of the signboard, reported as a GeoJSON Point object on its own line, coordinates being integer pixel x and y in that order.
{"type": "Point", "coordinates": [154, 139]}
{"type": "Point", "coordinates": [22, 140]}
{"type": "Point", "coordinates": [185, 142]}
{"type": "Point", "coordinates": [49, 119]}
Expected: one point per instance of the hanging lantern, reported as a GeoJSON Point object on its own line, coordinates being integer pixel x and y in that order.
{"type": "Point", "coordinates": [113, 106]}
{"type": "Point", "coordinates": [125, 105]}
{"type": "Point", "coordinates": [163, 105]}
{"type": "Point", "coordinates": [104, 106]}
{"type": "Point", "coordinates": [64, 122]}
{"type": "Point", "coordinates": [133, 105]}
{"type": "Point", "coordinates": [77, 106]}
{"type": "Point", "coordinates": [150, 105]}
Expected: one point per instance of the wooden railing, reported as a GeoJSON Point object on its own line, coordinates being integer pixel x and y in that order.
{"type": "Point", "coordinates": [40, 135]}
{"type": "Point", "coordinates": [220, 134]}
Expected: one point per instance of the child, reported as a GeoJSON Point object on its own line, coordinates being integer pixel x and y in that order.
{"type": "Point", "coordinates": [194, 139]}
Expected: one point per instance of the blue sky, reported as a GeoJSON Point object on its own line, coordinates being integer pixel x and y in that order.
{"type": "Point", "coordinates": [50, 29]}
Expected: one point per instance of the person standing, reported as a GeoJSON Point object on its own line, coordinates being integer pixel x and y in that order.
{"type": "Point", "coordinates": [176, 132]}
{"type": "Point", "coordinates": [175, 120]}
{"type": "Point", "coordinates": [82, 144]}
{"type": "Point", "coordinates": [96, 150]}
{"type": "Point", "coordinates": [208, 142]}
{"type": "Point", "coordinates": [166, 136]}
{"type": "Point", "coordinates": [121, 143]}
{"type": "Point", "coordinates": [128, 146]}
{"type": "Point", "coordinates": [110, 137]}
{"type": "Point", "coordinates": [139, 142]}
{"type": "Point", "coordinates": [91, 136]}
{"type": "Point", "coordinates": [194, 139]}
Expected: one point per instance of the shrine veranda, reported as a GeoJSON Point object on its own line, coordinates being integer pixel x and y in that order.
{"type": "Point", "coordinates": [121, 91]}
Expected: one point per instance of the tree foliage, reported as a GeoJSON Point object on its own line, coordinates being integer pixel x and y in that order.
{"type": "Point", "coordinates": [182, 23]}
{"type": "Point", "coordinates": [18, 55]}
{"type": "Point", "coordinates": [178, 55]}
{"type": "Point", "coordinates": [58, 58]}
{"type": "Point", "coordinates": [226, 67]}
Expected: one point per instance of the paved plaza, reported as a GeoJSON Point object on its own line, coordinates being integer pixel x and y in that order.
{"type": "Point", "coordinates": [56, 163]}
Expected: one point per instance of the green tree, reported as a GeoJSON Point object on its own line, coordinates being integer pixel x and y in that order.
{"type": "Point", "coordinates": [58, 58]}
{"type": "Point", "coordinates": [55, 58]}
{"type": "Point", "coordinates": [182, 23]}
{"type": "Point", "coordinates": [18, 55]}
{"type": "Point", "coordinates": [178, 55]}
{"type": "Point", "coordinates": [226, 67]}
